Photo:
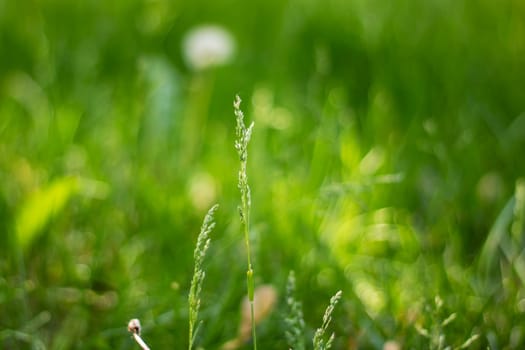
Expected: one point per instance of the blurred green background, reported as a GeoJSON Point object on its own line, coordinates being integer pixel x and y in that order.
{"type": "Point", "coordinates": [386, 161]}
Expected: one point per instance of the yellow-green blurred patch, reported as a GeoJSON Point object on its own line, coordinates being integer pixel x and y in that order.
{"type": "Point", "coordinates": [40, 207]}
{"type": "Point", "coordinates": [48, 201]}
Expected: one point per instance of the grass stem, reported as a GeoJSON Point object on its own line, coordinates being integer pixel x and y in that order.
{"type": "Point", "coordinates": [241, 145]}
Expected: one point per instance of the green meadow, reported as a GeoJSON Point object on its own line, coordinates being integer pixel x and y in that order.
{"type": "Point", "coordinates": [385, 161]}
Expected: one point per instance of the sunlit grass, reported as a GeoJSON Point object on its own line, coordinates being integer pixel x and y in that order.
{"type": "Point", "coordinates": [386, 162]}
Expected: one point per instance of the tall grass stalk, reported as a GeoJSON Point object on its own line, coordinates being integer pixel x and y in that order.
{"type": "Point", "coordinates": [244, 134]}
{"type": "Point", "coordinates": [319, 342]}
{"type": "Point", "coordinates": [203, 243]}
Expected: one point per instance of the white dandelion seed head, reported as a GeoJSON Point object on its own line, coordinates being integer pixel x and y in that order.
{"type": "Point", "coordinates": [208, 46]}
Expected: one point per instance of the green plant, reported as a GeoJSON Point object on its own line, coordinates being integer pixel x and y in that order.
{"type": "Point", "coordinates": [203, 243]}
{"type": "Point", "coordinates": [241, 145]}
{"type": "Point", "coordinates": [294, 321]}
{"type": "Point", "coordinates": [435, 332]}
{"type": "Point", "coordinates": [320, 343]}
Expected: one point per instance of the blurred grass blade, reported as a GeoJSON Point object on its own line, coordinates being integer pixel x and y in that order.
{"type": "Point", "coordinates": [496, 238]}
{"type": "Point", "coordinates": [40, 207]}
{"type": "Point", "coordinates": [506, 235]}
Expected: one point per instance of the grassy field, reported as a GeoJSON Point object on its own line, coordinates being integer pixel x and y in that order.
{"type": "Point", "coordinates": [385, 161]}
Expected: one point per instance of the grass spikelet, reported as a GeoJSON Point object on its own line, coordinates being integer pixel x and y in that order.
{"type": "Point", "coordinates": [435, 332]}
{"type": "Point", "coordinates": [203, 243]}
{"type": "Point", "coordinates": [295, 320]}
{"type": "Point", "coordinates": [241, 145]}
{"type": "Point", "coordinates": [319, 337]}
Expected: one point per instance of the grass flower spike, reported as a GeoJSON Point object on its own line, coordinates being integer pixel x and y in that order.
{"type": "Point", "coordinates": [241, 145]}
{"type": "Point", "coordinates": [295, 320]}
{"type": "Point", "coordinates": [203, 243]}
{"type": "Point", "coordinates": [319, 342]}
